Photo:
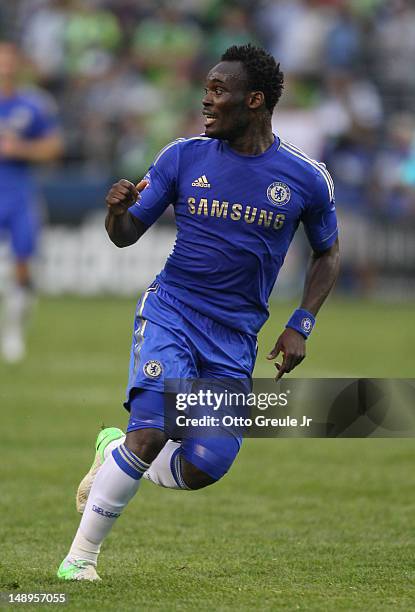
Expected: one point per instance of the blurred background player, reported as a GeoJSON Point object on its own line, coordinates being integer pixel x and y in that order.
{"type": "Point", "coordinates": [28, 134]}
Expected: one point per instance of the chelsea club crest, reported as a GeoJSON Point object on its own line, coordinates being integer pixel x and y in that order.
{"type": "Point", "coordinates": [278, 193]}
{"type": "Point", "coordinates": [153, 368]}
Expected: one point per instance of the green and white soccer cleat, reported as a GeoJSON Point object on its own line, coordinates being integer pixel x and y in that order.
{"type": "Point", "coordinates": [105, 436]}
{"type": "Point", "coordinates": [77, 569]}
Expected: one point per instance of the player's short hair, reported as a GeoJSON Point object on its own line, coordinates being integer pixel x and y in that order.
{"type": "Point", "coordinates": [263, 72]}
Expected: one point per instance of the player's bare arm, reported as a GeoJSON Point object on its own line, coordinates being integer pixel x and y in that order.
{"type": "Point", "coordinates": [123, 228]}
{"type": "Point", "coordinates": [322, 272]}
{"type": "Point", "coordinates": [47, 148]}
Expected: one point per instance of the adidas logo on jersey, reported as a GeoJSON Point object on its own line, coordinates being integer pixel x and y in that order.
{"type": "Point", "coordinates": [201, 182]}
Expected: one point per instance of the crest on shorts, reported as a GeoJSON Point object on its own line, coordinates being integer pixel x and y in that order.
{"type": "Point", "coordinates": [152, 368]}
{"type": "Point", "coordinates": [278, 193]}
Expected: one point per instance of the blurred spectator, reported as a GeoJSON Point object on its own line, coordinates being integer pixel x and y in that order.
{"type": "Point", "coordinates": [166, 41]}
{"type": "Point", "coordinates": [349, 101]}
{"type": "Point", "coordinates": [91, 37]}
{"type": "Point", "coordinates": [342, 49]}
{"type": "Point", "coordinates": [297, 117]}
{"type": "Point", "coordinates": [296, 31]}
{"type": "Point", "coordinates": [133, 148]}
{"type": "Point", "coordinates": [394, 170]}
{"type": "Point", "coordinates": [43, 40]}
{"type": "Point", "coordinates": [350, 158]}
{"type": "Point", "coordinates": [129, 77]}
{"type": "Point", "coordinates": [393, 44]}
{"type": "Point", "coordinates": [232, 29]}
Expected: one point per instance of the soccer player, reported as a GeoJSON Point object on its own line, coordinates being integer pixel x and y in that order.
{"type": "Point", "coordinates": [239, 193]}
{"type": "Point", "coordinates": [28, 134]}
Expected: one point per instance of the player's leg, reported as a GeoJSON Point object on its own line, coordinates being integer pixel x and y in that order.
{"type": "Point", "coordinates": [207, 459]}
{"type": "Point", "coordinates": [165, 470]}
{"type": "Point", "coordinates": [167, 349]}
{"type": "Point", "coordinates": [24, 227]}
{"type": "Point", "coordinates": [107, 439]}
{"type": "Point", "coordinates": [223, 354]}
{"type": "Point", "coordinates": [228, 359]}
{"type": "Point", "coordinates": [200, 458]}
{"type": "Point", "coordinates": [16, 311]}
{"type": "Point", "coordinates": [116, 482]}
{"type": "Point", "coordinates": [156, 351]}
{"type": "Point", "coordinates": [194, 463]}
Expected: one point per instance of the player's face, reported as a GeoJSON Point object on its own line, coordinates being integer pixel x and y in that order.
{"type": "Point", "coordinates": [9, 61]}
{"type": "Point", "coordinates": [225, 102]}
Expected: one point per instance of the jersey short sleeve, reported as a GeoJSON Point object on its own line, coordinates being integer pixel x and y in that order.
{"type": "Point", "coordinates": [319, 217]}
{"type": "Point", "coordinates": [45, 116]}
{"type": "Point", "coordinates": [161, 190]}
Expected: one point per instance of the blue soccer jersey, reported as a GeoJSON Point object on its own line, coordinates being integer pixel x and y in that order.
{"type": "Point", "coordinates": [236, 216]}
{"type": "Point", "coordinates": [29, 115]}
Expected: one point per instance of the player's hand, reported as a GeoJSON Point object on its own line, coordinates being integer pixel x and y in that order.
{"type": "Point", "coordinates": [122, 195]}
{"type": "Point", "coordinates": [11, 146]}
{"type": "Point", "coordinates": [292, 346]}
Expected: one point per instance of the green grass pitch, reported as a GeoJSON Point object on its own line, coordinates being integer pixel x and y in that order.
{"type": "Point", "coordinates": [322, 525]}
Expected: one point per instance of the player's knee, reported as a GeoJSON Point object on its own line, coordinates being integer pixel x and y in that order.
{"type": "Point", "coordinates": [145, 443]}
{"type": "Point", "coordinates": [193, 477]}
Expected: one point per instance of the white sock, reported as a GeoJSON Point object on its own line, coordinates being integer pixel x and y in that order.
{"type": "Point", "coordinates": [84, 549]}
{"type": "Point", "coordinates": [17, 305]}
{"type": "Point", "coordinates": [165, 470]}
{"type": "Point", "coordinates": [110, 447]}
{"type": "Point", "coordinates": [160, 471]}
{"type": "Point", "coordinates": [115, 484]}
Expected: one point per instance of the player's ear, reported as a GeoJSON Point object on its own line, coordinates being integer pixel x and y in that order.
{"type": "Point", "coordinates": [256, 99]}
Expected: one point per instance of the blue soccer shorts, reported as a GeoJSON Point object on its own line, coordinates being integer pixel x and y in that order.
{"type": "Point", "coordinates": [171, 340]}
{"type": "Point", "coordinates": [19, 219]}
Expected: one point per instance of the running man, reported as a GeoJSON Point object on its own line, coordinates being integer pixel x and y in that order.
{"type": "Point", "coordinates": [239, 193]}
